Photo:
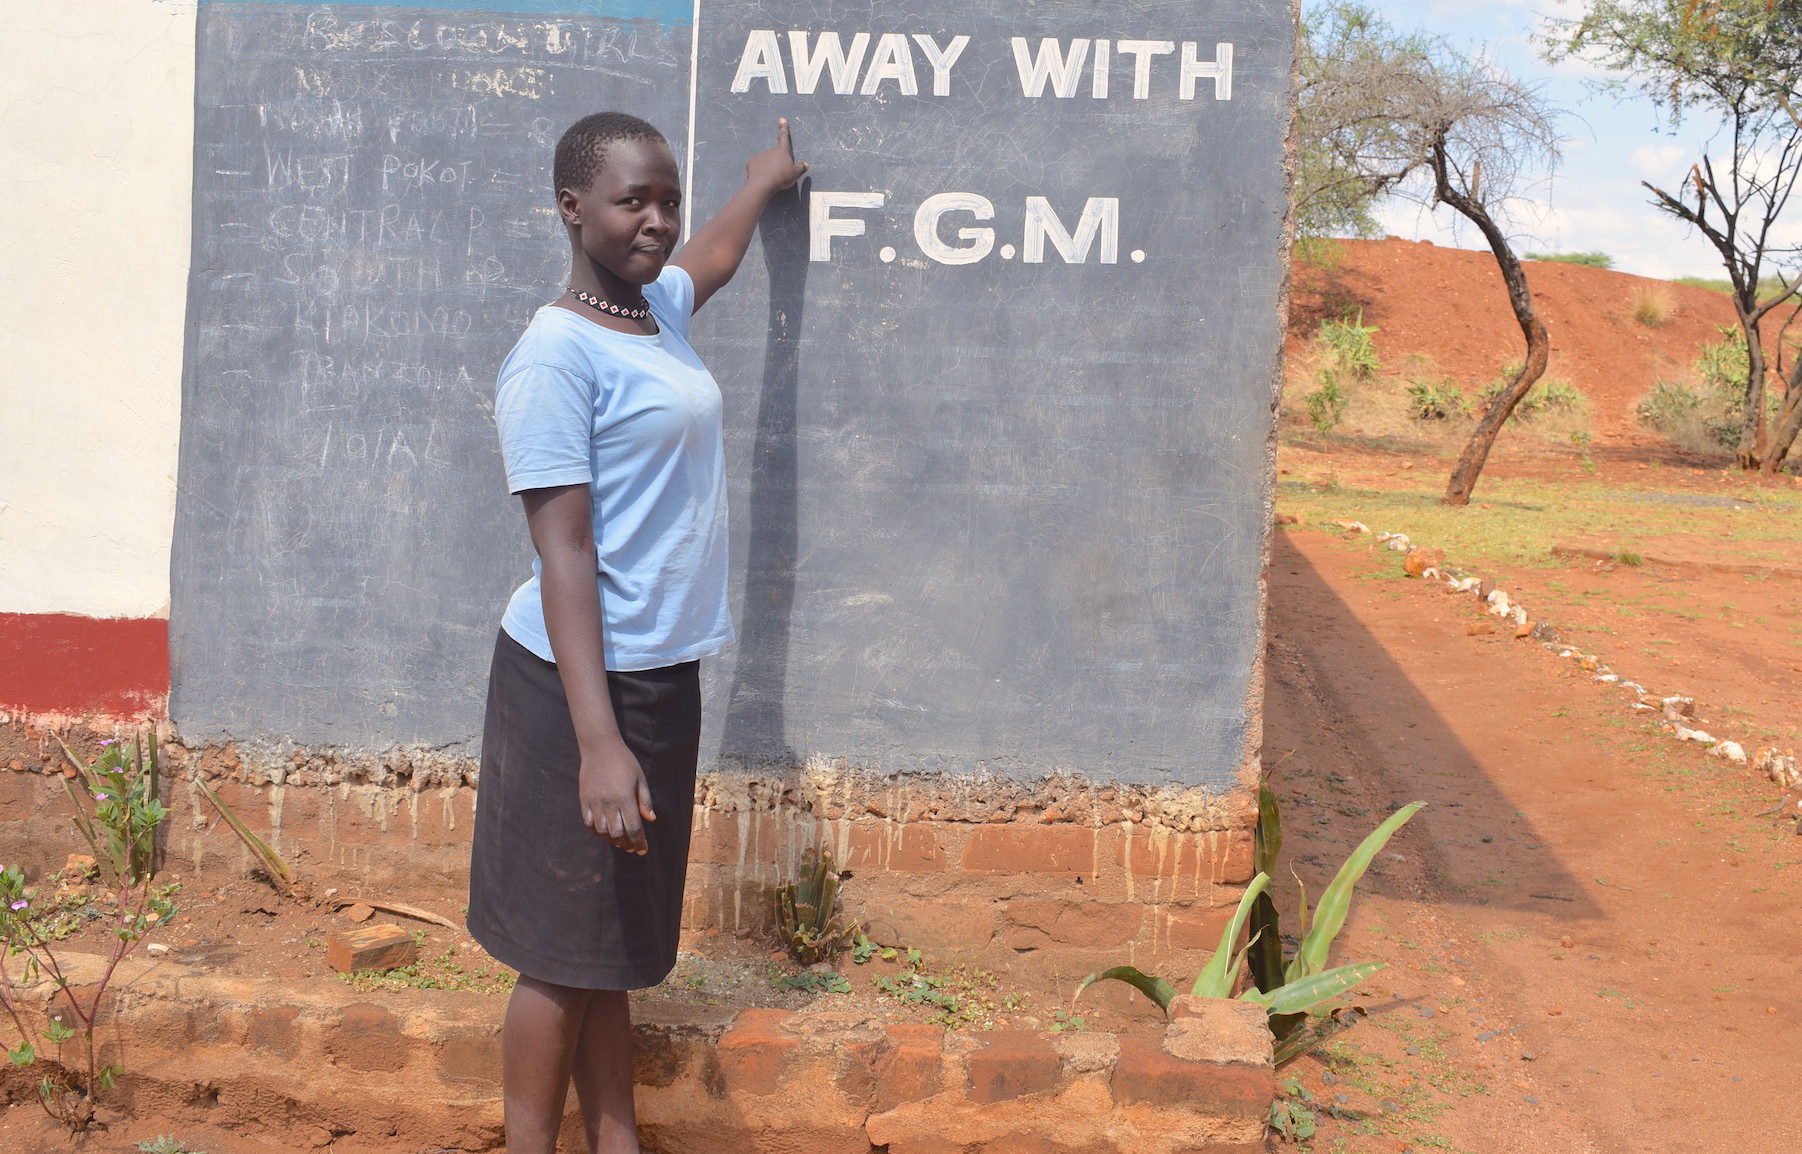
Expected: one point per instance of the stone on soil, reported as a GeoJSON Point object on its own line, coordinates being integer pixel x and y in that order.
{"type": "Point", "coordinates": [384, 946]}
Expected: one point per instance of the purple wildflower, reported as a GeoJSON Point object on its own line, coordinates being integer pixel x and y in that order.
{"type": "Point", "coordinates": [20, 904]}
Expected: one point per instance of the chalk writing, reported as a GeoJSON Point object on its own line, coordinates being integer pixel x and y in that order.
{"type": "Point", "coordinates": [1052, 65]}
{"type": "Point", "coordinates": [1097, 228]}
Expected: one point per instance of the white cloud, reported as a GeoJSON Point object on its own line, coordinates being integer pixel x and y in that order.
{"type": "Point", "coordinates": [1656, 160]}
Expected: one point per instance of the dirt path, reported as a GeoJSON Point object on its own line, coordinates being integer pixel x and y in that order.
{"type": "Point", "coordinates": [1592, 941]}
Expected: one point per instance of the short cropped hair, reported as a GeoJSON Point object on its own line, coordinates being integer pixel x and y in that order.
{"type": "Point", "coordinates": [583, 148]}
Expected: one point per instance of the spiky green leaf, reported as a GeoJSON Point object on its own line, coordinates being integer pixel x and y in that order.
{"type": "Point", "coordinates": [1335, 903]}
{"type": "Point", "coordinates": [1217, 977]}
{"type": "Point", "coordinates": [1314, 990]}
{"type": "Point", "coordinates": [1155, 988]}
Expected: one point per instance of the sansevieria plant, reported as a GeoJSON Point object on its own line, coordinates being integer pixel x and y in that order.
{"type": "Point", "coordinates": [1298, 992]}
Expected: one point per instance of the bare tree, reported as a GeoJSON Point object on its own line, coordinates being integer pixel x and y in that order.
{"type": "Point", "coordinates": [1741, 60]}
{"type": "Point", "coordinates": [1411, 117]}
{"type": "Point", "coordinates": [1484, 133]}
{"type": "Point", "coordinates": [1736, 209]}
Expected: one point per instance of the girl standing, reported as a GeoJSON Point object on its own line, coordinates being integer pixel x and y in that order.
{"type": "Point", "coordinates": [610, 430]}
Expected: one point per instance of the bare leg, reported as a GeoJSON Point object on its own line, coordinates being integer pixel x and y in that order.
{"type": "Point", "coordinates": [603, 1074]}
{"type": "Point", "coordinates": [538, 1049]}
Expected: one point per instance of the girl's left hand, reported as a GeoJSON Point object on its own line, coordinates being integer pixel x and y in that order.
{"type": "Point", "coordinates": [776, 168]}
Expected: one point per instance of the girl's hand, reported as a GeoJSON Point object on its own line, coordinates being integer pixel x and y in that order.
{"type": "Point", "coordinates": [775, 168]}
{"type": "Point", "coordinates": [615, 797]}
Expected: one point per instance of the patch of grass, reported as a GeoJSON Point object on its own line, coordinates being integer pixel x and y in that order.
{"type": "Point", "coordinates": [1651, 306]}
{"type": "Point", "coordinates": [1769, 286]}
{"type": "Point", "coordinates": [1515, 521]}
{"type": "Point", "coordinates": [438, 972]}
{"type": "Point", "coordinates": [960, 998]}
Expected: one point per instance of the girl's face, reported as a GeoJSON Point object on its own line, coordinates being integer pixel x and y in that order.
{"type": "Point", "coordinates": [627, 220]}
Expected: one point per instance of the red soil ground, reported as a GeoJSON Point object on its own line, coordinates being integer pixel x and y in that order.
{"type": "Point", "coordinates": [1448, 306]}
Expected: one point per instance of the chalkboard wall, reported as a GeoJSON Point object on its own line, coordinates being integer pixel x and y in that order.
{"type": "Point", "coordinates": [997, 374]}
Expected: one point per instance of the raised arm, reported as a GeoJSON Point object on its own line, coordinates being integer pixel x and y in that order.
{"type": "Point", "coordinates": [713, 254]}
{"type": "Point", "coordinates": [613, 793]}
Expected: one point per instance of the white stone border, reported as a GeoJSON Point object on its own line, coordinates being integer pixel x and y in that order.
{"type": "Point", "coordinates": [1677, 713]}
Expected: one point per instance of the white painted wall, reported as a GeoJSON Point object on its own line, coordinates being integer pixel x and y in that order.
{"type": "Point", "coordinates": [96, 147]}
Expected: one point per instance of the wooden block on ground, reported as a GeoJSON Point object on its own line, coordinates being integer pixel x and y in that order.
{"type": "Point", "coordinates": [383, 946]}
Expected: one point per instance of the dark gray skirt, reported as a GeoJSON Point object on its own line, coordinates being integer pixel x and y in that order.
{"type": "Point", "coordinates": [548, 896]}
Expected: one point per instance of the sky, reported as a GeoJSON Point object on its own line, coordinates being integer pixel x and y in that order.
{"type": "Point", "coordinates": [1593, 201]}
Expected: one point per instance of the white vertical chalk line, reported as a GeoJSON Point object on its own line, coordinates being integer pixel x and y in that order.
{"type": "Point", "coordinates": [694, 84]}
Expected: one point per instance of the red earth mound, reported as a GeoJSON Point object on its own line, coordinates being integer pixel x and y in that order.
{"type": "Point", "coordinates": [1449, 307]}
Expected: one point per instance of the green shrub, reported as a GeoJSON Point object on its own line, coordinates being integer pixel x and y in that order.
{"type": "Point", "coordinates": [1703, 414]}
{"type": "Point", "coordinates": [1345, 356]}
{"type": "Point", "coordinates": [1350, 353]}
{"type": "Point", "coordinates": [1551, 395]}
{"type": "Point", "coordinates": [1326, 405]}
{"type": "Point", "coordinates": [1588, 259]}
{"type": "Point", "coordinates": [1435, 400]}
{"type": "Point", "coordinates": [1547, 397]}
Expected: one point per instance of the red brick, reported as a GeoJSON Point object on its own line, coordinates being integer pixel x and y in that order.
{"type": "Point", "coordinates": [271, 1028]}
{"type": "Point", "coordinates": [1012, 1064]}
{"type": "Point", "coordinates": [1196, 928]}
{"type": "Point", "coordinates": [1039, 850]}
{"type": "Point", "coordinates": [1145, 1073]}
{"type": "Point", "coordinates": [754, 1051]}
{"type": "Point", "coordinates": [854, 1067]}
{"type": "Point", "coordinates": [968, 923]}
{"type": "Point", "coordinates": [1033, 925]}
{"type": "Point", "coordinates": [913, 1069]}
{"type": "Point", "coordinates": [906, 848]}
{"type": "Point", "coordinates": [368, 1038]}
{"type": "Point", "coordinates": [715, 839]}
{"type": "Point", "coordinates": [471, 1058]}
{"type": "Point", "coordinates": [1192, 858]}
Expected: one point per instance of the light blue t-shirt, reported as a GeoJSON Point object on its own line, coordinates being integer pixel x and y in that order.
{"type": "Point", "coordinates": [637, 420]}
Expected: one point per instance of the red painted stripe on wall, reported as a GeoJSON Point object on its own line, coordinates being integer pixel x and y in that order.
{"type": "Point", "coordinates": [62, 663]}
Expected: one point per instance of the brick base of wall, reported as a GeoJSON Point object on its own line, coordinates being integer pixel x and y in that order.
{"type": "Point", "coordinates": [1061, 876]}
{"type": "Point", "coordinates": [277, 1058]}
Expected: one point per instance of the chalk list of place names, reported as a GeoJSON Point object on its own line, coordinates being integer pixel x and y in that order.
{"type": "Point", "coordinates": [373, 229]}
{"type": "Point", "coordinates": [948, 227]}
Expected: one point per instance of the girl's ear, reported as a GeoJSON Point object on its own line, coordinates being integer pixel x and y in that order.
{"type": "Point", "coordinates": [569, 207]}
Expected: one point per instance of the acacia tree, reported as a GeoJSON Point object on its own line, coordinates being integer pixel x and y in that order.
{"type": "Point", "coordinates": [1348, 152]}
{"type": "Point", "coordinates": [1740, 60]}
{"type": "Point", "coordinates": [1381, 113]}
{"type": "Point", "coordinates": [1483, 132]}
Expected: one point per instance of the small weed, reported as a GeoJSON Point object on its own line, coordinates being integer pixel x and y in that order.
{"type": "Point", "coordinates": [814, 983]}
{"type": "Point", "coordinates": [166, 1144]}
{"type": "Point", "coordinates": [1289, 1118]}
{"type": "Point", "coordinates": [1062, 1021]}
{"type": "Point", "coordinates": [961, 998]}
{"type": "Point", "coordinates": [118, 809]}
